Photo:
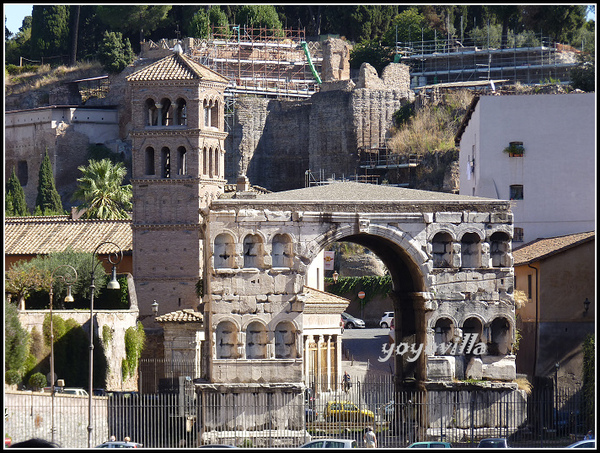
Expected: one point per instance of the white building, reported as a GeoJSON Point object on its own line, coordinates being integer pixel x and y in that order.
{"type": "Point", "coordinates": [552, 182]}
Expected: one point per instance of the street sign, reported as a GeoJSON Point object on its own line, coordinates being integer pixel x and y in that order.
{"type": "Point", "coordinates": [361, 295]}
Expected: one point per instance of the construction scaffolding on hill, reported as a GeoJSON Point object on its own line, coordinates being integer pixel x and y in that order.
{"type": "Point", "coordinates": [452, 60]}
{"type": "Point", "coordinates": [261, 61]}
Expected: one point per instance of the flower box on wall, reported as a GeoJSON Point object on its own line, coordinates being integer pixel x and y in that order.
{"type": "Point", "coordinates": [515, 149]}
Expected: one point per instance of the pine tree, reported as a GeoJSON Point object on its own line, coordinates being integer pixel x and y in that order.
{"type": "Point", "coordinates": [15, 204]}
{"type": "Point", "coordinates": [48, 200]}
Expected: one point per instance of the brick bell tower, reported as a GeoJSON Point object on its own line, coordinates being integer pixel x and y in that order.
{"type": "Point", "coordinates": [177, 110]}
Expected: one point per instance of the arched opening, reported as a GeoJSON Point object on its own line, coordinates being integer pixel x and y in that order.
{"type": "Point", "coordinates": [474, 328]}
{"type": "Point", "coordinates": [281, 253]}
{"type": "Point", "coordinates": [166, 162]}
{"type": "Point", "coordinates": [407, 298]}
{"type": "Point", "coordinates": [214, 112]}
{"type": "Point", "coordinates": [181, 161]}
{"type": "Point", "coordinates": [210, 163]}
{"type": "Point", "coordinates": [253, 251]}
{"type": "Point", "coordinates": [224, 252]}
{"type": "Point", "coordinates": [216, 162]}
{"type": "Point", "coordinates": [256, 341]}
{"type": "Point", "coordinates": [443, 336]}
{"type": "Point", "coordinates": [500, 337]}
{"type": "Point", "coordinates": [149, 161]}
{"type": "Point", "coordinates": [180, 112]}
{"type": "Point", "coordinates": [151, 115]}
{"type": "Point", "coordinates": [165, 113]}
{"type": "Point", "coordinates": [470, 251]}
{"type": "Point", "coordinates": [499, 248]}
{"type": "Point", "coordinates": [441, 246]}
{"type": "Point", "coordinates": [227, 341]}
{"type": "Point", "coordinates": [285, 341]}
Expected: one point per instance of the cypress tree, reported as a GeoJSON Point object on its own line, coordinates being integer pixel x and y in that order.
{"type": "Point", "coordinates": [48, 200]}
{"type": "Point", "coordinates": [15, 197]}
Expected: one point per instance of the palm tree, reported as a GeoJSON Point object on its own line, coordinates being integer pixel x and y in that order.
{"type": "Point", "coordinates": [101, 191]}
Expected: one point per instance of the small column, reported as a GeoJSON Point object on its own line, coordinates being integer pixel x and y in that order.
{"type": "Point", "coordinates": [329, 363]}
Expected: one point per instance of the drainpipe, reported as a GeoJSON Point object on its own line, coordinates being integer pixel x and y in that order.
{"type": "Point", "coordinates": [537, 324]}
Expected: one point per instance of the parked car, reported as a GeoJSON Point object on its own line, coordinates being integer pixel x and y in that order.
{"type": "Point", "coordinates": [119, 444]}
{"type": "Point", "coordinates": [430, 445]}
{"type": "Point", "coordinates": [331, 443]}
{"type": "Point", "coordinates": [386, 319]}
{"type": "Point", "coordinates": [73, 391]}
{"type": "Point", "coordinates": [347, 411]}
{"type": "Point", "coordinates": [493, 442]}
{"type": "Point", "coordinates": [589, 443]}
{"type": "Point", "coordinates": [350, 322]}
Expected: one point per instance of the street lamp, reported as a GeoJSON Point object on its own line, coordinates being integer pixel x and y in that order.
{"type": "Point", "coordinates": [68, 281]}
{"type": "Point", "coordinates": [113, 258]}
{"type": "Point", "coordinates": [335, 276]}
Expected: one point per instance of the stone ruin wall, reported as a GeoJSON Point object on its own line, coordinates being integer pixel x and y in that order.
{"type": "Point", "coordinates": [274, 142]}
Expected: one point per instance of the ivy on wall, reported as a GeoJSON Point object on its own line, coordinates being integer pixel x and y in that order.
{"type": "Point", "coordinates": [371, 285]}
{"type": "Point", "coordinates": [135, 339]}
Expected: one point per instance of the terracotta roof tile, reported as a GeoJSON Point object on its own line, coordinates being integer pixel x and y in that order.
{"type": "Point", "coordinates": [185, 315]}
{"type": "Point", "coordinates": [545, 247]}
{"type": "Point", "coordinates": [323, 302]}
{"type": "Point", "coordinates": [43, 235]}
{"type": "Point", "coordinates": [176, 67]}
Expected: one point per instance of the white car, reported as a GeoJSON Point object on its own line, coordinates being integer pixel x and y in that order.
{"type": "Point", "coordinates": [386, 319]}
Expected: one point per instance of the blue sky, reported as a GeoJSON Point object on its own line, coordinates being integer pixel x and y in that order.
{"type": "Point", "coordinates": [15, 12]}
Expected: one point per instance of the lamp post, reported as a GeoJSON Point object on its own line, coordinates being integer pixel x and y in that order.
{"type": "Point", "coordinates": [113, 258]}
{"type": "Point", "coordinates": [68, 298]}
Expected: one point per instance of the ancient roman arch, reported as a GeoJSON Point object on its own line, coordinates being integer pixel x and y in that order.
{"type": "Point", "coordinates": [449, 257]}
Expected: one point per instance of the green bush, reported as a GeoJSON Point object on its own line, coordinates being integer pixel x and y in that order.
{"type": "Point", "coordinates": [37, 381]}
{"type": "Point", "coordinates": [12, 377]}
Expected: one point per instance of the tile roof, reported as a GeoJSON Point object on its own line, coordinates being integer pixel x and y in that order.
{"type": "Point", "coordinates": [185, 315]}
{"type": "Point", "coordinates": [545, 247]}
{"type": "Point", "coordinates": [176, 67]}
{"type": "Point", "coordinates": [322, 302]}
{"type": "Point", "coordinates": [43, 235]}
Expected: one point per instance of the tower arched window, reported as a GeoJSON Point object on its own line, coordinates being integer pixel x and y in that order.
{"type": "Point", "coordinates": [216, 163]}
{"type": "Point", "coordinates": [204, 161]}
{"type": "Point", "coordinates": [253, 251]}
{"type": "Point", "coordinates": [165, 113]}
{"type": "Point", "coordinates": [149, 161]}
{"type": "Point", "coordinates": [470, 245]}
{"type": "Point", "coordinates": [210, 163]}
{"type": "Point", "coordinates": [181, 112]}
{"type": "Point", "coordinates": [281, 253]}
{"type": "Point", "coordinates": [151, 113]}
{"type": "Point", "coordinates": [166, 162]}
{"type": "Point", "coordinates": [214, 112]}
{"type": "Point", "coordinates": [181, 161]}
{"type": "Point", "coordinates": [442, 250]}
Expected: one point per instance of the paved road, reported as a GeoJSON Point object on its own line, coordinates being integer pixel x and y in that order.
{"type": "Point", "coordinates": [365, 345]}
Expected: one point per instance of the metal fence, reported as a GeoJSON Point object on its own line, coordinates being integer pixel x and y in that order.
{"type": "Point", "coordinates": [175, 412]}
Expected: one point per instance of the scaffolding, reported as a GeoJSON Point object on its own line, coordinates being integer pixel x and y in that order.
{"type": "Point", "coordinates": [261, 61]}
{"type": "Point", "coordinates": [450, 60]}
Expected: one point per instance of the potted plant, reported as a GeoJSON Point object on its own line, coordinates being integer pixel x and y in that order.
{"type": "Point", "coordinates": [515, 149]}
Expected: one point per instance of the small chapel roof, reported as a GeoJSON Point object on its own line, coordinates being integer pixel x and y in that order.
{"type": "Point", "coordinates": [185, 315]}
{"type": "Point", "coordinates": [176, 67]}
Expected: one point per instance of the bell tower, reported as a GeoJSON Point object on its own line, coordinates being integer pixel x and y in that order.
{"type": "Point", "coordinates": [178, 133]}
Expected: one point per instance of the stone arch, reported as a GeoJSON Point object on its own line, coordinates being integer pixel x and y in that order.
{"type": "Point", "coordinates": [285, 333]}
{"type": "Point", "coordinates": [444, 330]}
{"type": "Point", "coordinates": [256, 340]}
{"type": "Point", "coordinates": [149, 166]}
{"type": "Point", "coordinates": [165, 117]}
{"type": "Point", "coordinates": [442, 245]}
{"type": "Point", "coordinates": [182, 161]}
{"type": "Point", "coordinates": [165, 160]}
{"type": "Point", "coordinates": [473, 324]}
{"type": "Point", "coordinates": [226, 340]}
{"type": "Point", "coordinates": [408, 266]}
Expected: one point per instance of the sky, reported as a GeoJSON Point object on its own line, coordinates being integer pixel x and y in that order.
{"type": "Point", "coordinates": [15, 12]}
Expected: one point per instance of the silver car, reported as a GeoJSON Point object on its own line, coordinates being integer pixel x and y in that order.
{"type": "Point", "coordinates": [331, 443]}
{"type": "Point", "coordinates": [350, 322]}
